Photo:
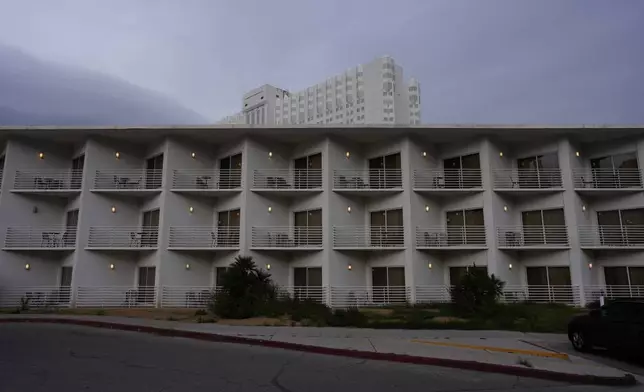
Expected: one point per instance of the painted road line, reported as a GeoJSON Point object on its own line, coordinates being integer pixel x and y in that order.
{"type": "Point", "coordinates": [534, 353]}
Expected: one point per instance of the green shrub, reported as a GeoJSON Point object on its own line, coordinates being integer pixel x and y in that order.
{"type": "Point", "coordinates": [351, 317]}
{"type": "Point", "coordinates": [476, 290]}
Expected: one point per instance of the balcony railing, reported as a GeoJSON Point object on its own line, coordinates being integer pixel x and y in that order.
{"type": "Point", "coordinates": [128, 180]}
{"type": "Point", "coordinates": [527, 179]}
{"type": "Point", "coordinates": [533, 236]}
{"type": "Point", "coordinates": [606, 236]}
{"type": "Point", "coordinates": [285, 179]}
{"type": "Point", "coordinates": [116, 297]}
{"type": "Point", "coordinates": [205, 237]}
{"type": "Point", "coordinates": [593, 293]}
{"type": "Point", "coordinates": [120, 237]}
{"type": "Point", "coordinates": [35, 296]}
{"type": "Point", "coordinates": [206, 179]}
{"type": "Point", "coordinates": [53, 237]}
{"type": "Point", "coordinates": [450, 236]}
{"type": "Point", "coordinates": [361, 296]}
{"type": "Point", "coordinates": [48, 180]}
{"type": "Point", "coordinates": [542, 294]}
{"type": "Point", "coordinates": [450, 179]}
{"type": "Point", "coordinates": [371, 179]}
{"type": "Point", "coordinates": [607, 178]}
{"type": "Point", "coordinates": [365, 237]}
{"type": "Point", "coordinates": [286, 237]}
{"type": "Point", "coordinates": [186, 296]}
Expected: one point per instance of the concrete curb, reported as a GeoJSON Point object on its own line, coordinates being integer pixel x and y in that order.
{"type": "Point", "coordinates": [625, 380]}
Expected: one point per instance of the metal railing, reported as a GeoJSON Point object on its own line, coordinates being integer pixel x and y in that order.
{"type": "Point", "coordinates": [128, 179]}
{"type": "Point", "coordinates": [308, 293]}
{"type": "Point", "coordinates": [358, 237]}
{"type": "Point", "coordinates": [608, 236]}
{"type": "Point", "coordinates": [40, 237]}
{"type": "Point", "coordinates": [284, 179]}
{"type": "Point", "coordinates": [116, 297]}
{"type": "Point", "coordinates": [206, 179]}
{"type": "Point", "coordinates": [439, 179]}
{"type": "Point", "coordinates": [48, 180]}
{"type": "Point", "coordinates": [186, 296]}
{"type": "Point", "coordinates": [361, 296]}
{"type": "Point", "coordinates": [532, 236]}
{"type": "Point", "coordinates": [593, 293]}
{"type": "Point", "coordinates": [607, 178]}
{"type": "Point", "coordinates": [286, 237]}
{"type": "Point", "coordinates": [35, 296]}
{"type": "Point", "coordinates": [433, 294]}
{"type": "Point", "coordinates": [527, 179]}
{"type": "Point", "coordinates": [450, 236]}
{"type": "Point", "coordinates": [370, 179]}
{"type": "Point", "coordinates": [123, 237]}
{"type": "Point", "coordinates": [542, 294]}
{"type": "Point", "coordinates": [204, 237]}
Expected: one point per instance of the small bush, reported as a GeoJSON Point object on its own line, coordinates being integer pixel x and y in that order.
{"type": "Point", "coordinates": [100, 312]}
{"type": "Point", "coordinates": [476, 290]}
{"type": "Point", "coordinates": [201, 312]}
{"type": "Point", "coordinates": [351, 317]}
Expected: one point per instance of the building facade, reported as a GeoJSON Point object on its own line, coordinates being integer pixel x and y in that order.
{"type": "Point", "coordinates": [350, 215]}
{"type": "Point", "coordinates": [373, 93]}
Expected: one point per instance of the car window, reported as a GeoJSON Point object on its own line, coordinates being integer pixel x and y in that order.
{"type": "Point", "coordinates": [620, 311]}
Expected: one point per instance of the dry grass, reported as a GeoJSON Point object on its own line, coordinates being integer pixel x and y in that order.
{"type": "Point", "coordinates": [448, 319]}
{"type": "Point", "coordinates": [257, 322]}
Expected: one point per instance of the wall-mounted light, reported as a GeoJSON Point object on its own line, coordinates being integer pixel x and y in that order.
{"type": "Point", "coordinates": [117, 155]}
{"type": "Point", "coordinates": [509, 266]}
{"type": "Point", "coordinates": [193, 155]}
{"type": "Point", "coordinates": [429, 265]}
{"type": "Point", "coordinates": [191, 209]}
{"type": "Point", "coordinates": [27, 266]}
{"type": "Point", "coordinates": [590, 265]}
{"type": "Point", "coordinates": [426, 208]}
{"type": "Point", "coordinates": [501, 154]}
{"type": "Point", "coordinates": [113, 209]}
{"type": "Point", "coordinates": [583, 208]}
{"type": "Point", "coordinates": [112, 266]}
{"type": "Point", "coordinates": [348, 154]}
{"type": "Point", "coordinates": [270, 154]}
{"type": "Point", "coordinates": [270, 209]}
{"type": "Point", "coordinates": [268, 266]}
{"type": "Point", "coordinates": [349, 267]}
{"type": "Point", "coordinates": [424, 153]}
{"type": "Point", "coordinates": [577, 153]}
{"type": "Point", "coordinates": [187, 266]}
{"type": "Point", "coordinates": [41, 155]}
{"type": "Point", "coordinates": [349, 209]}
{"type": "Point", "coordinates": [505, 208]}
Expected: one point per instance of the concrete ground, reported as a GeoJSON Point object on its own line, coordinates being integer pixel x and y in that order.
{"type": "Point", "coordinates": [48, 357]}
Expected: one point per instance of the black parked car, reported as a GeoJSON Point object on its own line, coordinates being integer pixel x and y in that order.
{"type": "Point", "coordinates": [616, 326]}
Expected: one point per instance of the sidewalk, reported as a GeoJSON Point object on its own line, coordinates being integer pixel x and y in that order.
{"type": "Point", "coordinates": [490, 351]}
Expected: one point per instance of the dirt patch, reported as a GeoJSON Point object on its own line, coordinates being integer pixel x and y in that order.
{"type": "Point", "coordinates": [377, 311]}
{"type": "Point", "coordinates": [448, 319]}
{"type": "Point", "coordinates": [256, 322]}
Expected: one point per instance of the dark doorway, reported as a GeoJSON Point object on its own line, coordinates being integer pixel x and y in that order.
{"type": "Point", "coordinates": [154, 172]}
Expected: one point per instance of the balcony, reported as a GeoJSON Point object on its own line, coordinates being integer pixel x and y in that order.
{"type": "Point", "coordinates": [598, 182]}
{"type": "Point", "coordinates": [62, 183]}
{"type": "Point", "coordinates": [132, 182]}
{"type": "Point", "coordinates": [363, 296]}
{"type": "Point", "coordinates": [116, 297]}
{"type": "Point", "coordinates": [372, 182]}
{"type": "Point", "coordinates": [287, 182]}
{"type": "Point", "coordinates": [37, 296]}
{"type": "Point", "coordinates": [50, 239]}
{"type": "Point", "coordinates": [204, 238]}
{"type": "Point", "coordinates": [447, 182]}
{"type": "Point", "coordinates": [451, 238]}
{"type": "Point", "coordinates": [613, 292]}
{"type": "Point", "coordinates": [542, 294]}
{"type": "Point", "coordinates": [611, 237]}
{"type": "Point", "coordinates": [123, 238]}
{"type": "Point", "coordinates": [207, 181]}
{"type": "Point", "coordinates": [368, 238]}
{"type": "Point", "coordinates": [532, 237]}
{"type": "Point", "coordinates": [522, 181]}
{"type": "Point", "coordinates": [286, 238]}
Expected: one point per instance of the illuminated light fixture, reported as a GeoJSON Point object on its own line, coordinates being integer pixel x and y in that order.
{"type": "Point", "coordinates": [349, 209]}
{"type": "Point", "coordinates": [424, 153]}
{"type": "Point", "coordinates": [583, 208]}
{"type": "Point", "coordinates": [348, 154]}
{"type": "Point", "coordinates": [429, 265]}
{"type": "Point", "coordinates": [426, 208]}
{"type": "Point", "coordinates": [590, 265]}
{"type": "Point", "coordinates": [113, 209]}
{"type": "Point", "coordinates": [270, 209]}
{"type": "Point", "coordinates": [112, 266]}
{"type": "Point", "coordinates": [117, 155]}
{"type": "Point", "coordinates": [270, 154]}
{"type": "Point", "coordinates": [191, 209]}
{"type": "Point", "coordinates": [41, 155]}
{"type": "Point", "coordinates": [577, 153]}
{"type": "Point", "coordinates": [187, 266]}
{"type": "Point", "coordinates": [27, 267]}
{"type": "Point", "coordinates": [268, 266]}
{"type": "Point", "coordinates": [193, 155]}
{"type": "Point", "coordinates": [501, 153]}
{"type": "Point", "coordinates": [349, 267]}
{"type": "Point", "coordinates": [505, 208]}
{"type": "Point", "coordinates": [509, 266]}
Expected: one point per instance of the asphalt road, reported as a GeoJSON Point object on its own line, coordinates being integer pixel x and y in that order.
{"type": "Point", "coordinates": [36, 358]}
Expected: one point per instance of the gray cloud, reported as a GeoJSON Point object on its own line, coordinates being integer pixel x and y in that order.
{"type": "Point", "coordinates": [493, 61]}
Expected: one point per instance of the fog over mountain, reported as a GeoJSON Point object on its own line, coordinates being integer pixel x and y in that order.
{"type": "Point", "coordinates": [36, 92]}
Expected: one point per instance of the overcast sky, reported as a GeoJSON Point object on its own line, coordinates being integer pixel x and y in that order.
{"type": "Point", "coordinates": [484, 61]}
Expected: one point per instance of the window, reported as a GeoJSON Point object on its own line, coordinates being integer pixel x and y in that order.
{"type": "Point", "coordinates": [78, 164]}
{"type": "Point", "coordinates": [549, 284]}
{"type": "Point", "coordinates": [616, 171]}
{"type": "Point", "coordinates": [219, 276]}
{"type": "Point", "coordinates": [308, 172]}
{"type": "Point", "coordinates": [385, 172]}
{"type": "Point", "coordinates": [71, 226]}
{"type": "Point", "coordinates": [387, 228]}
{"type": "Point", "coordinates": [150, 228]}
{"type": "Point", "coordinates": [154, 172]}
{"type": "Point", "coordinates": [227, 234]}
{"type": "Point", "coordinates": [230, 172]}
{"type": "Point", "coordinates": [308, 227]}
{"type": "Point", "coordinates": [307, 283]}
{"type": "Point", "coordinates": [147, 279]}
{"type": "Point", "coordinates": [624, 281]}
{"type": "Point", "coordinates": [544, 227]}
{"type": "Point", "coordinates": [462, 172]}
{"type": "Point", "coordinates": [388, 284]}
{"type": "Point", "coordinates": [621, 227]}
{"type": "Point", "coordinates": [65, 284]}
{"type": "Point", "coordinates": [465, 227]}
{"type": "Point", "coordinates": [541, 171]}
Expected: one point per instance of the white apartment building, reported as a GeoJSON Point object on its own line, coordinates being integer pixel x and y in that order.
{"type": "Point", "coordinates": [373, 93]}
{"type": "Point", "coordinates": [351, 215]}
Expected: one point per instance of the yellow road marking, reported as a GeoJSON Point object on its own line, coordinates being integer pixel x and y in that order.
{"type": "Point", "coordinates": [534, 353]}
